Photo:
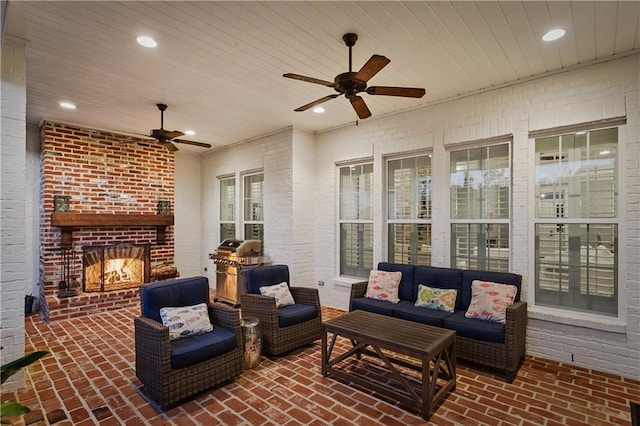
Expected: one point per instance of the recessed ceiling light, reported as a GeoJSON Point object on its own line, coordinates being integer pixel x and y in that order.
{"type": "Point", "coordinates": [67, 105]}
{"type": "Point", "coordinates": [605, 152]}
{"type": "Point", "coordinates": [553, 34]}
{"type": "Point", "coordinates": [318, 110]}
{"type": "Point", "coordinates": [189, 132]}
{"type": "Point", "coordinates": [146, 41]}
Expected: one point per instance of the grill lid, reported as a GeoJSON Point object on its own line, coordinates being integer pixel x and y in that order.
{"type": "Point", "coordinates": [229, 245]}
{"type": "Point", "coordinates": [239, 248]}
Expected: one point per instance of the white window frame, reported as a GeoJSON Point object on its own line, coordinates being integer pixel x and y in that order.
{"type": "Point", "coordinates": [363, 267]}
{"type": "Point", "coordinates": [466, 146]}
{"type": "Point", "coordinates": [245, 221]}
{"type": "Point", "coordinates": [591, 315]}
{"type": "Point", "coordinates": [417, 257]}
{"type": "Point", "coordinates": [234, 219]}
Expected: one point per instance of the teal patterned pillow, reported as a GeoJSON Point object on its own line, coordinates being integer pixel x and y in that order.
{"type": "Point", "coordinates": [185, 321]}
{"type": "Point", "coordinates": [436, 298]}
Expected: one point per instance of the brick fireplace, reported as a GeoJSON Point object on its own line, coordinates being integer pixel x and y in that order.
{"type": "Point", "coordinates": [113, 184]}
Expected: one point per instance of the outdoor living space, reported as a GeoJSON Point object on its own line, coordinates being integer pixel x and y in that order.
{"type": "Point", "coordinates": [147, 141]}
{"type": "Point", "coordinates": [89, 378]}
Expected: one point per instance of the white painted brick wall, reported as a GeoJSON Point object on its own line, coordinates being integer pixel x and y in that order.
{"type": "Point", "coordinates": [13, 204]}
{"type": "Point", "coordinates": [304, 201]}
{"type": "Point", "coordinates": [273, 155]}
{"type": "Point", "coordinates": [592, 93]}
{"type": "Point", "coordinates": [187, 213]}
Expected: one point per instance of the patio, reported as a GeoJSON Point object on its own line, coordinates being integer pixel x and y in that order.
{"type": "Point", "coordinates": [89, 378]}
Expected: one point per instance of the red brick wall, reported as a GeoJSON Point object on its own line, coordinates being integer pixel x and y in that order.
{"type": "Point", "coordinates": [103, 173]}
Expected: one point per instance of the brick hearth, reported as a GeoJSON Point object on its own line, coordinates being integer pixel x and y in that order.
{"type": "Point", "coordinates": [102, 173]}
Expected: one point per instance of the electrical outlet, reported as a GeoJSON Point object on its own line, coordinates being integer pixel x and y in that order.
{"type": "Point", "coordinates": [320, 283]}
{"type": "Point", "coordinates": [206, 269]}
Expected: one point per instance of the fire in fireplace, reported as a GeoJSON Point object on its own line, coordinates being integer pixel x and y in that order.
{"type": "Point", "coordinates": [115, 267]}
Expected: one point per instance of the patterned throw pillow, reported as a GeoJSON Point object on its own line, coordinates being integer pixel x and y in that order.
{"type": "Point", "coordinates": [489, 301]}
{"type": "Point", "coordinates": [280, 292]}
{"type": "Point", "coordinates": [186, 321]}
{"type": "Point", "coordinates": [441, 299]}
{"type": "Point", "coordinates": [383, 285]}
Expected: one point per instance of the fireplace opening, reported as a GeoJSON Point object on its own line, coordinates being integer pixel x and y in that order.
{"type": "Point", "coordinates": [115, 267]}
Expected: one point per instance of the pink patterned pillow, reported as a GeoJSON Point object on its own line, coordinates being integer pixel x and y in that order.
{"type": "Point", "coordinates": [383, 285]}
{"type": "Point", "coordinates": [489, 301]}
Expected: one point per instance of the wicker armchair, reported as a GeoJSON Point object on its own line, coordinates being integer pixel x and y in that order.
{"type": "Point", "coordinates": [285, 328]}
{"type": "Point", "coordinates": [156, 353]}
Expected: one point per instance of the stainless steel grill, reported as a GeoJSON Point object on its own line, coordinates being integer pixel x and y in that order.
{"type": "Point", "coordinates": [232, 259]}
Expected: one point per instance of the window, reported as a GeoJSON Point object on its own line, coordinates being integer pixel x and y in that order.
{"type": "Point", "coordinates": [576, 230]}
{"type": "Point", "coordinates": [356, 220]}
{"type": "Point", "coordinates": [409, 215]}
{"type": "Point", "coordinates": [480, 199]}
{"type": "Point", "coordinates": [227, 208]}
{"type": "Point", "coordinates": [253, 207]}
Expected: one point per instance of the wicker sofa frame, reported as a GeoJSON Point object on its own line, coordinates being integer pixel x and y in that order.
{"type": "Point", "coordinates": [166, 385]}
{"type": "Point", "coordinates": [505, 357]}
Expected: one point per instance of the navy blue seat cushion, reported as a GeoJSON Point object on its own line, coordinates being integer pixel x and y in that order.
{"type": "Point", "coordinates": [433, 276]}
{"type": "Point", "coordinates": [406, 289]}
{"type": "Point", "coordinates": [373, 305]}
{"type": "Point", "coordinates": [194, 349]}
{"type": "Point", "coordinates": [171, 293]}
{"type": "Point", "coordinates": [496, 277]}
{"type": "Point", "coordinates": [266, 276]}
{"type": "Point", "coordinates": [296, 314]}
{"type": "Point", "coordinates": [408, 311]}
{"type": "Point", "coordinates": [474, 328]}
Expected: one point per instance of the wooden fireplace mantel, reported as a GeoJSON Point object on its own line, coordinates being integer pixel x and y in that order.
{"type": "Point", "coordinates": [69, 221]}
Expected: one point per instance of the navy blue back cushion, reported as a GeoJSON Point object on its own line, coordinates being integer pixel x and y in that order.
{"type": "Point", "coordinates": [405, 291]}
{"type": "Point", "coordinates": [433, 276]}
{"type": "Point", "coordinates": [496, 277]}
{"type": "Point", "coordinates": [179, 292]}
{"type": "Point", "coordinates": [266, 276]}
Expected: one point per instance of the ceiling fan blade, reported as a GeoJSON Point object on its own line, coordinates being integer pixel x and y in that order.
{"type": "Point", "coordinates": [361, 108]}
{"type": "Point", "coordinates": [309, 79]}
{"type": "Point", "coordinates": [407, 92]}
{"type": "Point", "coordinates": [171, 147]}
{"type": "Point", "coordinates": [194, 143]}
{"type": "Point", "coordinates": [317, 102]}
{"type": "Point", "coordinates": [371, 68]}
{"type": "Point", "coordinates": [172, 134]}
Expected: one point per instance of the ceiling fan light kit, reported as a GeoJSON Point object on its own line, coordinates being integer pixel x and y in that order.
{"type": "Point", "coordinates": [351, 83]}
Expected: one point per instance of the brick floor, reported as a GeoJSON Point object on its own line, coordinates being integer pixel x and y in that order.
{"type": "Point", "coordinates": [89, 378]}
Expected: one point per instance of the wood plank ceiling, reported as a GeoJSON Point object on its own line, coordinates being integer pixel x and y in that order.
{"type": "Point", "coordinates": [219, 65]}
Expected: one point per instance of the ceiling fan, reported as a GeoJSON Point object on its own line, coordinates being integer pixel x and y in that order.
{"type": "Point", "coordinates": [351, 83]}
{"type": "Point", "coordinates": [167, 138]}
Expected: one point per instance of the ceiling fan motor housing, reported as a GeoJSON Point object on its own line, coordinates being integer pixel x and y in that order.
{"type": "Point", "coordinates": [347, 84]}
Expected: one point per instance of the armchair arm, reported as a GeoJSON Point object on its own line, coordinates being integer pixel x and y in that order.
{"type": "Point", "coordinates": [516, 329]}
{"type": "Point", "coordinates": [357, 290]}
{"type": "Point", "coordinates": [225, 316]}
{"type": "Point", "coordinates": [152, 344]}
{"type": "Point", "coordinates": [306, 296]}
{"type": "Point", "coordinates": [261, 307]}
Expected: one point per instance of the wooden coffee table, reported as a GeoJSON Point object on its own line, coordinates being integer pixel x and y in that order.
{"type": "Point", "coordinates": [434, 347]}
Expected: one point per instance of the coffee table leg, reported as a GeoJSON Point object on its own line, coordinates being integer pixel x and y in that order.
{"type": "Point", "coordinates": [427, 395]}
{"type": "Point", "coordinates": [325, 357]}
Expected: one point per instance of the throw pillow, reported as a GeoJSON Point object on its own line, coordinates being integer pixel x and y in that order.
{"type": "Point", "coordinates": [383, 285]}
{"type": "Point", "coordinates": [441, 299]}
{"type": "Point", "coordinates": [186, 321]}
{"type": "Point", "coordinates": [280, 292]}
{"type": "Point", "coordinates": [489, 301]}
